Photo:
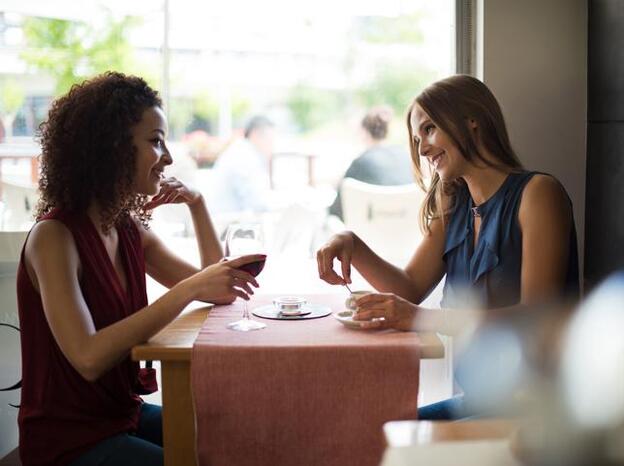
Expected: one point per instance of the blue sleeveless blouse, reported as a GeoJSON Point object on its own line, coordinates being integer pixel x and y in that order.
{"type": "Point", "coordinates": [490, 276]}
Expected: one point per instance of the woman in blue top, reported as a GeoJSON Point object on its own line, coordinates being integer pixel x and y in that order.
{"type": "Point", "coordinates": [503, 236]}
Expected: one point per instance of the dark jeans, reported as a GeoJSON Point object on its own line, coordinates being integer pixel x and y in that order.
{"type": "Point", "coordinates": [141, 448]}
{"type": "Point", "coordinates": [458, 409]}
{"type": "Point", "coordinates": [445, 410]}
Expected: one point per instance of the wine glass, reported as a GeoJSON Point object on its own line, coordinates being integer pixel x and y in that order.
{"type": "Point", "coordinates": [242, 239]}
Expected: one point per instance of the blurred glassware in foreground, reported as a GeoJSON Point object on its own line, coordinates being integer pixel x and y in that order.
{"type": "Point", "coordinates": [560, 372]}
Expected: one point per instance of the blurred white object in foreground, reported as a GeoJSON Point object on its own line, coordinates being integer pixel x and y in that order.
{"type": "Point", "coordinates": [592, 366]}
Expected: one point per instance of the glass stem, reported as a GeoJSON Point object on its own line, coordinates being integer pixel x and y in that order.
{"type": "Point", "coordinates": [245, 311]}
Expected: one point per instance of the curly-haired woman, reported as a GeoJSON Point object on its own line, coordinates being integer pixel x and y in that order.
{"type": "Point", "coordinates": [81, 279]}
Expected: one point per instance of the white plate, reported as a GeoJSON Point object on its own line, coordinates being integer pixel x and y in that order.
{"type": "Point", "coordinates": [346, 319]}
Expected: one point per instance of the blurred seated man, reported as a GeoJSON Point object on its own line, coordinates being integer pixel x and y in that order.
{"type": "Point", "coordinates": [241, 173]}
{"type": "Point", "coordinates": [381, 164]}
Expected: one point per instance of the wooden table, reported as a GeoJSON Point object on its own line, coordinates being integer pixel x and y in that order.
{"type": "Point", "coordinates": [173, 347]}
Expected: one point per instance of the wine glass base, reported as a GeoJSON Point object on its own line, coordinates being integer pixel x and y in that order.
{"type": "Point", "coordinates": [245, 325]}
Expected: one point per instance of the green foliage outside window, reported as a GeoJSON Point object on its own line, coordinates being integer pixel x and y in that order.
{"type": "Point", "coordinates": [404, 29]}
{"type": "Point", "coordinates": [12, 98]}
{"type": "Point", "coordinates": [72, 51]}
{"type": "Point", "coordinates": [201, 111]}
{"type": "Point", "coordinates": [395, 83]}
{"type": "Point", "coordinates": [394, 86]}
{"type": "Point", "coordinates": [206, 107]}
{"type": "Point", "coordinates": [310, 107]}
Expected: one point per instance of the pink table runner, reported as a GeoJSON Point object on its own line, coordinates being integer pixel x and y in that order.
{"type": "Point", "coordinates": [309, 392]}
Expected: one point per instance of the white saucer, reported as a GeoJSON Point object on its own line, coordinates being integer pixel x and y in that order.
{"type": "Point", "coordinates": [346, 319]}
{"type": "Point", "coordinates": [310, 311]}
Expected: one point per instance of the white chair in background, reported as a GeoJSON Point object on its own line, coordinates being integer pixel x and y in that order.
{"type": "Point", "coordinates": [385, 217]}
{"type": "Point", "coordinates": [19, 202]}
{"type": "Point", "coordinates": [295, 230]}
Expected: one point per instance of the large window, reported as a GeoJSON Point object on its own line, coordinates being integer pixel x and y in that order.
{"type": "Point", "coordinates": [313, 69]}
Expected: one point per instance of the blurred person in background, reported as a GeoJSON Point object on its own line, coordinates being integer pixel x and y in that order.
{"type": "Point", "coordinates": [242, 172]}
{"type": "Point", "coordinates": [503, 236]}
{"type": "Point", "coordinates": [380, 164]}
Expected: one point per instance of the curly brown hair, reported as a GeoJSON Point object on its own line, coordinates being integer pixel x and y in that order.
{"type": "Point", "coordinates": [87, 151]}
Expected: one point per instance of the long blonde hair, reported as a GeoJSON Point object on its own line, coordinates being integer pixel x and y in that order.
{"type": "Point", "coordinates": [450, 103]}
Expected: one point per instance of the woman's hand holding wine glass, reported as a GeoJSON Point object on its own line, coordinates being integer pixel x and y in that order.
{"type": "Point", "coordinates": [223, 282]}
{"type": "Point", "coordinates": [245, 238]}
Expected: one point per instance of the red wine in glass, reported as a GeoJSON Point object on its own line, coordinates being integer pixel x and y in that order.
{"type": "Point", "coordinates": [254, 267]}
{"type": "Point", "coordinates": [245, 238]}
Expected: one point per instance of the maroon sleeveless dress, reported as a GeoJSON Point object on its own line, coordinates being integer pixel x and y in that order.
{"type": "Point", "coordinates": [62, 415]}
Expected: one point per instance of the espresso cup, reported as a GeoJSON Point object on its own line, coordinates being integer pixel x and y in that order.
{"type": "Point", "coordinates": [289, 305]}
{"type": "Point", "coordinates": [353, 297]}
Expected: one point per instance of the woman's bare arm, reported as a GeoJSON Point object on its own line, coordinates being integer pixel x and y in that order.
{"type": "Point", "coordinates": [414, 283]}
{"type": "Point", "coordinates": [54, 266]}
{"type": "Point", "coordinates": [163, 264]}
{"type": "Point", "coordinates": [545, 217]}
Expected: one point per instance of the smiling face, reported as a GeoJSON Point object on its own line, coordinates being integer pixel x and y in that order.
{"type": "Point", "coordinates": [435, 145]}
{"type": "Point", "coordinates": [152, 156]}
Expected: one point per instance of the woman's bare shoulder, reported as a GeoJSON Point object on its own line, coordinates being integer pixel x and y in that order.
{"type": "Point", "coordinates": [50, 252]}
{"type": "Point", "coordinates": [544, 198]}
{"type": "Point", "coordinates": [49, 237]}
{"type": "Point", "coordinates": [50, 229]}
{"type": "Point", "coordinates": [542, 188]}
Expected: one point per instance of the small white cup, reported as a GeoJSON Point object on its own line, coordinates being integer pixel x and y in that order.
{"type": "Point", "coordinates": [289, 305]}
{"type": "Point", "coordinates": [353, 297]}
